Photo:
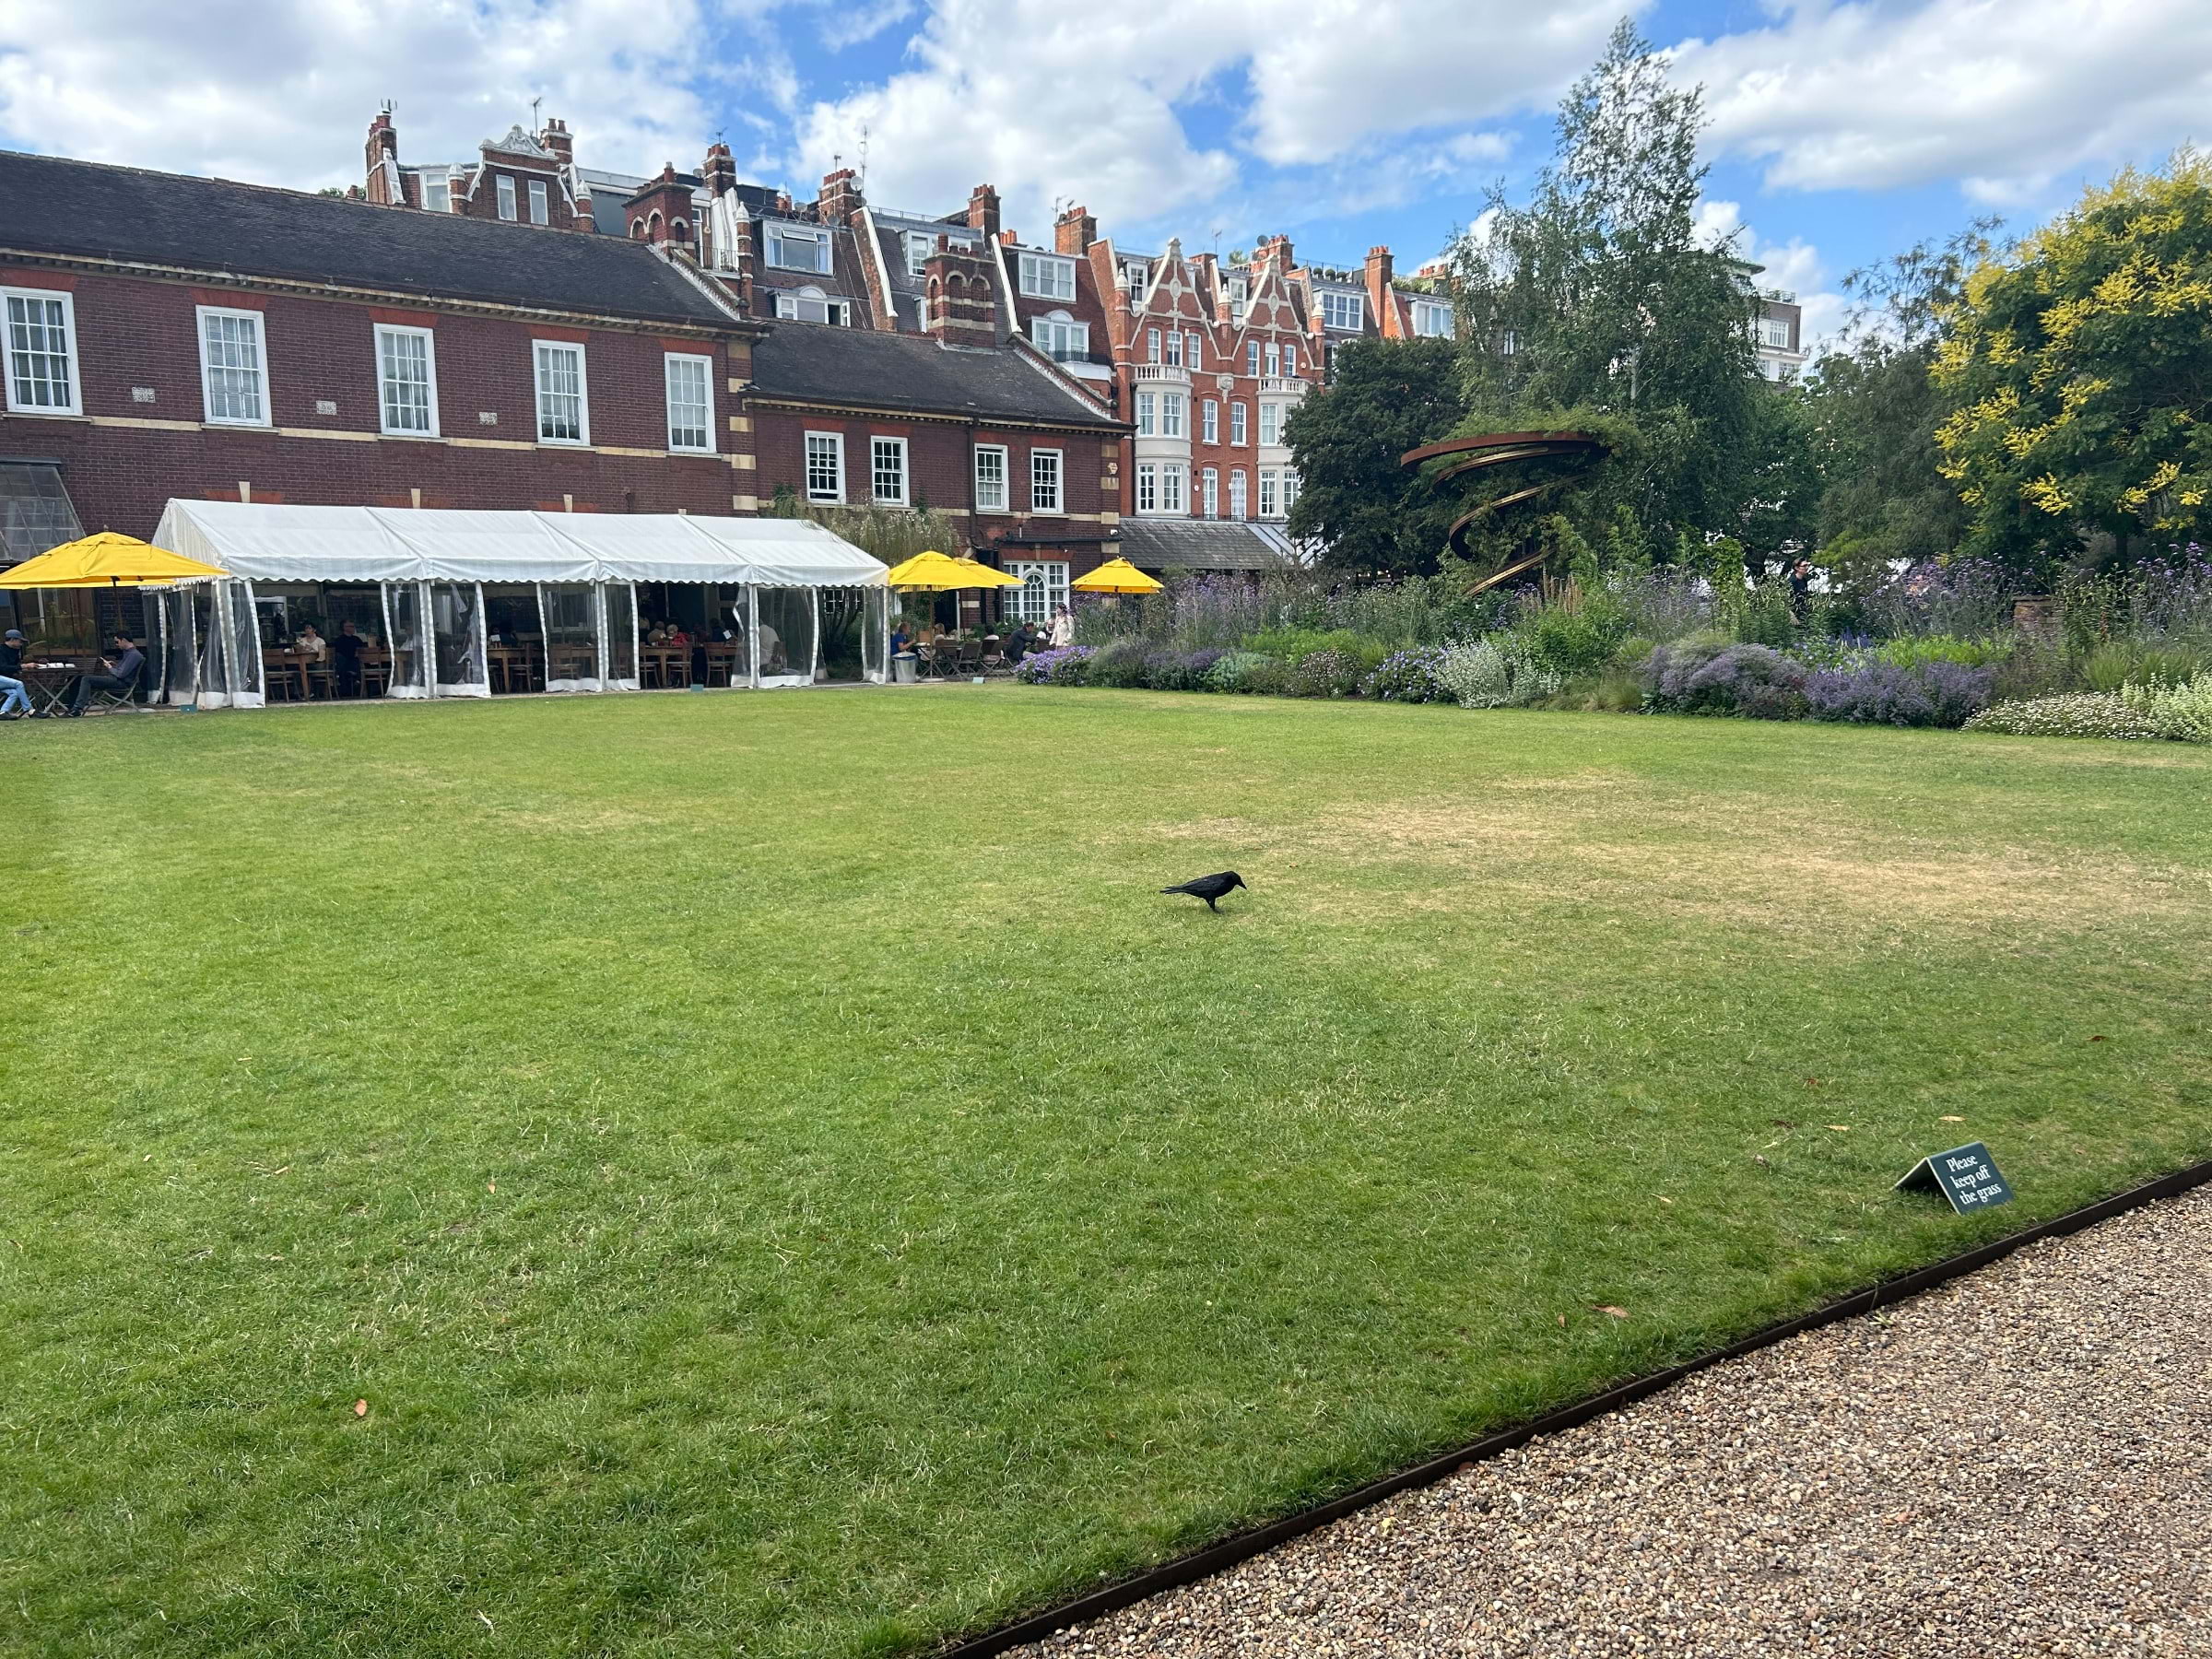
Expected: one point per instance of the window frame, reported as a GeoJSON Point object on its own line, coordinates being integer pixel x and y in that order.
{"type": "Point", "coordinates": [1147, 486]}
{"type": "Point", "coordinates": [1177, 500]}
{"type": "Point", "coordinates": [1252, 359]}
{"type": "Point", "coordinates": [1209, 478]}
{"type": "Point", "coordinates": [779, 233]}
{"type": "Point", "coordinates": [706, 373]}
{"type": "Point", "coordinates": [1239, 496]}
{"type": "Point", "coordinates": [1006, 477]}
{"type": "Point", "coordinates": [203, 314]}
{"type": "Point", "coordinates": [1271, 492]}
{"type": "Point", "coordinates": [541, 202]}
{"type": "Point", "coordinates": [1209, 420]}
{"type": "Point", "coordinates": [879, 444]}
{"type": "Point", "coordinates": [837, 311]}
{"type": "Point", "coordinates": [70, 364]}
{"type": "Point", "coordinates": [1353, 306]}
{"type": "Point", "coordinates": [429, 336]}
{"type": "Point", "coordinates": [1066, 340]}
{"type": "Point", "coordinates": [1174, 347]}
{"type": "Point", "coordinates": [1173, 423]}
{"type": "Point", "coordinates": [835, 496]}
{"type": "Point", "coordinates": [1148, 414]}
{"type": "Point", "coordinates": [1045, 576]}
{"type": "Point", "coordinates": [504, 192]}
{"type": "Point", "coordinates": [1238, 428]}
{"type": "Point", "coordinates": [1031, 260]}
{"type": "Point", "coordinates": [1271, 424]}
{"type": "Point", "coordinates": [1057, 503]}
{"type": "Point", "coordinates": [1430, 308]}
{"type": "Point", "coordinates": [1781, 325]}
{"type": "Point", "coordinates": [443, 186]}
{"type": "Point", "coordinates": [1193, 346]}
{"type": "Point", "coordinates": [583, 393]}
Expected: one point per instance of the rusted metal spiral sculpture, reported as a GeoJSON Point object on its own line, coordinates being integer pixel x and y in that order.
{"type": "Point", "coordinates": [1581, 451]}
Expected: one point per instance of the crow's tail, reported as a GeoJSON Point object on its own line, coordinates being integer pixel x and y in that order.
{"type": "Point", "coordinates": [1175, 889]}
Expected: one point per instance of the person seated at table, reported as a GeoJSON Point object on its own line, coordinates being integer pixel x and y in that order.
{"type": "Point", "coordinates": [346, 658]}
{"type": "Point", "coordinates": [676, 635]}
{"type": "Point", "coordinates": [16, 702]}
{"type": "Point", "coordinates": [656, 635]}
{"type": "Point", "coordinates": [121, 673]}
{"type": "Point", "coordinates": [772, 660]}
{"type": "Point", "coordinates": [901, 638]}
{"type": "Point", "coordinates": [313, 644]}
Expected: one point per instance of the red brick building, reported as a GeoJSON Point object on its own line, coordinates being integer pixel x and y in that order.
{"type": "Point", "coordinates": [196, 338]}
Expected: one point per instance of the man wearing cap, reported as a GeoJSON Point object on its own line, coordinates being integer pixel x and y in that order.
{"type": "Point", "coordinates": [15, 703]}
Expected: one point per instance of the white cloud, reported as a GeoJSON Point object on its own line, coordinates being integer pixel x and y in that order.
{"type": "Point", "coordinates": [1793, 267]}
{"type": "Point", "coordinates": [2002, 95]}
{"type": "Point", "coordinates": [850, 26]}
{"type": "Point", "coordinates": [280, 91]}
{"type": "Point", "coordinates": [1089, 103]}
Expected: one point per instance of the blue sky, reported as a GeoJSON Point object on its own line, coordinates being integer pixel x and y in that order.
{"type": "Point", "coordinates": [1842, 132]}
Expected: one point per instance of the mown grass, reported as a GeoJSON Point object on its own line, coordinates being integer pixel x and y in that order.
{"type": "Point", "coordinates": [784, 1184]}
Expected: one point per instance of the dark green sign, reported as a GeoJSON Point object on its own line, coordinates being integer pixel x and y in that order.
{"type": "Point", "coordinates": [1966, 1176]}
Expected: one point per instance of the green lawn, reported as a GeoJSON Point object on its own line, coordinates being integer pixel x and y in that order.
{"type": "Point", "coordinates": [785, 1184]}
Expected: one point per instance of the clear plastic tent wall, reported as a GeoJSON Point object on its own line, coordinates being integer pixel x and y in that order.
{"type": "Point", "coordinates": [431, 564]}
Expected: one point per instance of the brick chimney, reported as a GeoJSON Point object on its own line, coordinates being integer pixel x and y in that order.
{"type": "Point", "coordinates": [718, 172]}
{"type": "Point", "coordinates": [584, 221]}
{"type": "Point", "coordinates": [1074, 231]}
{"type": "Point", "coordinates": [555, 139]}
{"type": "Point", "coordinates": [661, 213]}
{"type": "Point", "coordinates": [839, 203]}
{"type": "Point", "coordinates": [963, 309]}
{"type": "Point", "coordinates": [982, 210]}
{"type": "Point", "coordinates": [1378, 292]}
{"type": "Point", "coordinates": [381, 160]}
{"type": "Point", "coordinates": [1273, 251]}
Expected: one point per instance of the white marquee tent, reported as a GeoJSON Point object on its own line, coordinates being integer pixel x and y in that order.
{"type": "Point", "coordinates": [431, 567]}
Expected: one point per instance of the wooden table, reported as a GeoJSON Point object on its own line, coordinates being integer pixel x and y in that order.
{"type": "Point", "coordinates": [46, 680]}
{"type": "Point", "coordinates": [286, 668]}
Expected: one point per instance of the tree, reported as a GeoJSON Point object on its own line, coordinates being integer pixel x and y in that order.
{"type": "Point", "coordinates": [2078, 375]}
{"type": "Point", "coordinates": [1369, 515]}
{"type": "Point", "coordinates": [1600, 293]}
{"type": "Point", "coordinates": [1873, 411]}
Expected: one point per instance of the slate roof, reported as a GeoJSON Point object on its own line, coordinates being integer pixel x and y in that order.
{"type": "Point", "coordinates": [50, 205]}
{"type": "Point", "coordinates": [816, 363]}
{"type": "Point", "coordinates": [1154, 544]}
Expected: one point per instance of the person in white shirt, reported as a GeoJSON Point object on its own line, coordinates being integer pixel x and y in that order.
{"type": "Point", "coordinates": [1064, 629]}
{"type": "Point", "coordinates": [313, 644]}
{"type": "Point", "coordinates": [772, 651]}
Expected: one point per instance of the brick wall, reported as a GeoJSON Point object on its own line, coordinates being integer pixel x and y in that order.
{"type": "Point", "coordinates": [939, 467]}
{"type": "Point", "coordinates": [126, 456]}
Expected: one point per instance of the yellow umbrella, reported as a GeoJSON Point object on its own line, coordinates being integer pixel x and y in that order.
{"type": "Point", "coordinates": [929, 572]}
{"type": "Point", "coordinates": [1116, 576]}
{"type": "Point", "coordinates": [105, 560]}
{"type": "Point", "coordinates": [982, 575]}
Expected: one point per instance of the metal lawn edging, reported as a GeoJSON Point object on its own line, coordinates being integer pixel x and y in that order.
{"type": "Point", "coordinates": [1243, 1546]}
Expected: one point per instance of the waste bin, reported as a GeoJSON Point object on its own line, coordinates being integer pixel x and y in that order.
{"type": "Point", "coordinates": [902, 668]}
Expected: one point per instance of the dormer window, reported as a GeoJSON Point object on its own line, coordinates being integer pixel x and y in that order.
{"type": "Point", "coordinates": [1343, 311]}
{"type": "Point", "coordinates": [437, 194]}
{"type": "Point", "coordinates": [1139, 275]}
{"type": "Point", "coordinates": [1061, 337]}
{"type": "Point", "coordinates": [540, 202]}
{"type": "Point", "coordinates": [797, 248]}
{"type": "Point", "coordinates": [809, 304]}
{"type": "Point", "coordinates": [1432, 319]}
{"type": "Point", "coordinates": [1048, 277]}
{"type": "Point", "coordinates": [505, 182]}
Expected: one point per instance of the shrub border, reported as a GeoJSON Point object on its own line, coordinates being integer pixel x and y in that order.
{"type": "Point", "coordinates": [1240, 1547]}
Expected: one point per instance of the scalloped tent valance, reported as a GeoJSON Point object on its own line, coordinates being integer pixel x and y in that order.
{"type": "Point", "coordinates": [271, 542]}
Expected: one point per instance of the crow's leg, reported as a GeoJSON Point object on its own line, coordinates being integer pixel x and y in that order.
{"type": "Point", "coordinates": [1212, 906]}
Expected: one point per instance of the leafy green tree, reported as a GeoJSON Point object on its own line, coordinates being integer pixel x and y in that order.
{"type": "Point", "coordinates": [1872, 410]}
{"type": "Point", "coordinates": [1601, 292]}
{"type": "Point", "coordinates": [2078, 372]}
{"type": "Point", "coordinates": [1368, 513]}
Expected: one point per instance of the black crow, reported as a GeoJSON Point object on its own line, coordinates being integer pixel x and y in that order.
{"type": "Point", "coordinates": [1209, 887]}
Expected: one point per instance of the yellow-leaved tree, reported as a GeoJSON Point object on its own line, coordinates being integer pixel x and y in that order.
{"type": "Point", "coordinates": [2079, 373]}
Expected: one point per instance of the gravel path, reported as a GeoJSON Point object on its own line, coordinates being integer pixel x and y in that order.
{"type": "Point", "coordinates": [2017, 1464]}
